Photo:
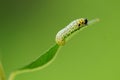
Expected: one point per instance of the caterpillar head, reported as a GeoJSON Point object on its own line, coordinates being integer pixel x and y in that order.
{"type": "Point", "coordinates": [82, 22]}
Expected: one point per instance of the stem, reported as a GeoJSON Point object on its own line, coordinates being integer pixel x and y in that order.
{"type": "Point", "coordinates": [12, 76]}
{"type": "Point", "coordinates": [2, 75]}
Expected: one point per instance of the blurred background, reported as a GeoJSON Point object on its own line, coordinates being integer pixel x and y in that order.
{"type": "Point", "coordinates": [28, 28]}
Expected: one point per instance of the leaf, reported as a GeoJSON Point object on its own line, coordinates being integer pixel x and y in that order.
{"type": "Point", "coordinates": [41, 62]}
{"type": "Point", "coordinates": [43, 59]}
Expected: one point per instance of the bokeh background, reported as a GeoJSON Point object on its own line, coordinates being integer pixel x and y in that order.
{"type": "Point", "coordinates": [28, 28]}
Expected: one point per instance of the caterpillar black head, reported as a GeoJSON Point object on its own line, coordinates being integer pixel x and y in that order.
{"type": "Point", "coordinates": [86, 21]}
{"type": "Point", "coordinates": [83, 21]}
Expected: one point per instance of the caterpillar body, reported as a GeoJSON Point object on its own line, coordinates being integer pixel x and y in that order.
{"type": "Point", "coordinates": [74, 26]}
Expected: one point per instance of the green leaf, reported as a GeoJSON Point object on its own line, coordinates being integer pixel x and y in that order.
{"type": "Point", "coordinates": [41, 62]}
{"type": "Point", "coordinates": [43, 59]}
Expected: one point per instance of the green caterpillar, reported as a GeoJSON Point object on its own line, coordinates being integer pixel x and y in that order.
{"type": "Point", "coordinates": [68, 30]}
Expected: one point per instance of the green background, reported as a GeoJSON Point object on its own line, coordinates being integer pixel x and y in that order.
{"type": "Point", "coordinates": [28, 28]}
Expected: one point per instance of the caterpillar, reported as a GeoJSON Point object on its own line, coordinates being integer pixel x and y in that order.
{"type": "Point", "coordinates": [74, 26]}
